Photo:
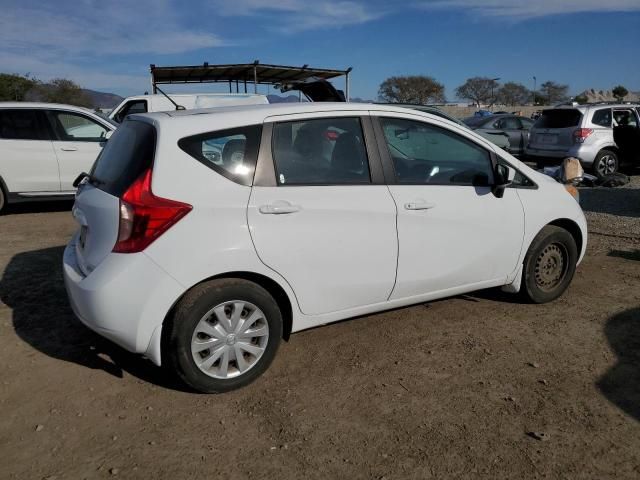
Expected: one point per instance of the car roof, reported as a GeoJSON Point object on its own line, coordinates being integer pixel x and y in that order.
{"type": "Point", "coordinates": [260, 112]}
{"type": "Point", "coordinates": [43, 105]}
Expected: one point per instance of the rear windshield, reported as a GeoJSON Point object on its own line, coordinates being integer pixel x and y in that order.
{"type": "Point", "coordinates": [127, 154]}
{"type": "Point", "coordinates": [560, 118]}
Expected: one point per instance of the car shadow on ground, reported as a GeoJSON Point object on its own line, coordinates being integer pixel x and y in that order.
{"type": "Point", "coordinates": [621, 384]}
{"type": "Point", "coordinates": [37, 207]}
{"type": "Point", "coordinates": [614, 201]}
{"type": "Point", "coordinates": [33, 287]}
{"type": "Point", "coordinates": [627, 255]}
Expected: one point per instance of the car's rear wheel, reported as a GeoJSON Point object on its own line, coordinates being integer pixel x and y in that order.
{"type": "Point", "coordinates": [605, 163]}
{"type": "Point", "coordinates": [222, 335]}
{"type": "Point", "coordinates": [2, 199]}
{"type": "Point", "coordinates": [549, 265]}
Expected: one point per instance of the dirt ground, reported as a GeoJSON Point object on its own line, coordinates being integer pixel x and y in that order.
{"type": "Point", "coordinates": [458, 388]}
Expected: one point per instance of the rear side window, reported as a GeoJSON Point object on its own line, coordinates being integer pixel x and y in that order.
{"type": "Point", "coordinates": [232, 153]}
{"type": "Point", "coordinates": [127, 154]}
{"type": "Point", "coordinates": [21, 124]}
{"type": "Point", "coordinates": [324, 151]}
{"type": "Point", "coordinates": [559, 118]}
{"type": "Point", "coordinates": [602, 117]}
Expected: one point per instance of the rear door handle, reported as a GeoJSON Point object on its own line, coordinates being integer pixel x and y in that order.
{"type": "Point", "coordinates": [419, 205]}
{"type": "Point", "coordinates": [279, 209]}
{"type": "Point", "coordinates": [69, 149]}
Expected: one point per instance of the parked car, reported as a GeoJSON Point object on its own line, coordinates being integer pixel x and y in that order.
{"type": "Point", "coordinates": [585, 132]}
{"type": "Point", "coordinates": [499, 139]}
{"type": "Point", "coordinates": [44, 147]}
{"type": "Point", "coordinates": [515, 127]}
{"type": "Point", "coordinates": [330, 211]}
{"type": "Point", "coordinates": [160, 103]}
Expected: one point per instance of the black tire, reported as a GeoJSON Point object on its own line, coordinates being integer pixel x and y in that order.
{"type": "Point", "coordinates": [544, 276]}
{"type": "Point", "coordinates": [2, 199]}
{"type": "Point", "coordinates": [178, 331]}
{"type": "Point", "coordinates": [605, 163]}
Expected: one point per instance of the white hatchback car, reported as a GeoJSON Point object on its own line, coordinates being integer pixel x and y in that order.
{"type": "Point", "coordinates": [207, 236]}
{"type": "Point", "coordinates": [44, 147]}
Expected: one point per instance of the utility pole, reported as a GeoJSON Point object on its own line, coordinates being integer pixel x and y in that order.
{"type": "Point", "coordinates": [493, 99]}
{"type": "Point", "coordinates": [534, 90]}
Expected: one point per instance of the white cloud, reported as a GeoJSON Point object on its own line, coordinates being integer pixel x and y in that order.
{"type": "Point", "coordinates": [524, 9]}
{"type": "Point", "coordinates": [114, 28]}
{"type": "Point", "coordinates": [289, 16]}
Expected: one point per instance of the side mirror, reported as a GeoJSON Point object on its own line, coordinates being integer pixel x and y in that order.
{"type": "Point", "coordinates": [502, 178]}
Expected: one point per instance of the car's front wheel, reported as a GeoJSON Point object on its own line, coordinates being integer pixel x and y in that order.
{"type": "Point", "coordinates": [222, 335]}
{"type": "Point", "coordinates": [549, 265]}
{"type": "Point", "coordinates": [605, 163]}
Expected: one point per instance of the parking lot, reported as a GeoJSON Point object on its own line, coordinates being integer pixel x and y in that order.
{"type": "Point", "coordinates": [478, 386]}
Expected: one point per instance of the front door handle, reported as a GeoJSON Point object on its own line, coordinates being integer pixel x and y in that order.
{"type": "Point", "coordinates": [279, 209]}
{"type": "Point", "coordinates": [419, 205]}
{"type": "Point", "coordinates": [69, 149]}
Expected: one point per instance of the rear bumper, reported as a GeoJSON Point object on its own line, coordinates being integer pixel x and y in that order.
{"type": "Point", "coordinates": [125, 299]}
{"type": "Point", "coordinates": [585, 155]}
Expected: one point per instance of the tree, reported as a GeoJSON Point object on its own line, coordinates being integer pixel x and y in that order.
{"type": "Point", "coordinates": [61, 90]}
{"type": "Point", "coordinates": [418, 89]}
{"type": "Point", "coordinates": [619, 93]}
{"type": "Point", "coordinates": [553, 92]}
{"type": "Point", "coordinates": [582, 98]}
{"type": "Point", "coordinates": [13, 88]}
{"type": "Point", "coordinates": [512, 94]}
{"type": "Point", "coordinates": [480, 90]}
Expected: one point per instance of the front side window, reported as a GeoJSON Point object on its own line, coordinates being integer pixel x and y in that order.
{"type": "Point", "coordinates": [602, 117]}
{"type": "Point", "coordinates": [232, 153]}
{"type": "Point", "coordinates": [425, 154]}
{"type": "Point", "coordinates": [20, 124]}
{"type": "Point", "coordinates": [327, 151]}
{"type": "Point", "coordinates": [73, 127]}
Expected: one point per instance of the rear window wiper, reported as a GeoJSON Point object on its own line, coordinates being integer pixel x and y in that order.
{"type": "Point", "coordinates": [91, 179]}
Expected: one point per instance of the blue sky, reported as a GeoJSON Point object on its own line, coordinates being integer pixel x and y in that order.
{"type": "Point", "coordinates": [108, 44]}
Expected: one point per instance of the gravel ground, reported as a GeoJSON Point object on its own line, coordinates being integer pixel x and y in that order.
{"type": "Point", "coordinates": [478, 386]}
{"type": "Point", "coordinates": [613, 211]}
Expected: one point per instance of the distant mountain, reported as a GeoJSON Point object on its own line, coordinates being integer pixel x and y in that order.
{"type": "Point", "coordinates": [606, 96]}
{"type": "Point", "coordinates": [103, 99]}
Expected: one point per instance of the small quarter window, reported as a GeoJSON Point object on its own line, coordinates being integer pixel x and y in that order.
{"type": "Point", "coordinates": [326, 151]}
{"type": "Point", "coordinates": [232, 153]}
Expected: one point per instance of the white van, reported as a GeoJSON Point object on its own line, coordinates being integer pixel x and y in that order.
{"type": "Point", "coordinates": [160, 103]}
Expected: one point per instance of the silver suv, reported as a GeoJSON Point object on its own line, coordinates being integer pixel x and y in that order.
{"type": "Point", "coordinates": [585, 132]}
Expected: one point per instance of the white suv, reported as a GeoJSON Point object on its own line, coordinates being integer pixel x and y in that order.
{"type": "Point", "coordinates": [207, 236]}
{"type": "Point", "coordinates": [44, 147]}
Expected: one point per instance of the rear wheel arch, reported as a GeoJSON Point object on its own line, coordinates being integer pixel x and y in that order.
{"type": "Point", "coordinates": [274, 288]}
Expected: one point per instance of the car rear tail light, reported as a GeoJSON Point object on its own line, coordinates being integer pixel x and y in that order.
{"type": "Point", "coordinates": [581, 134]}
{"type": "Point", "coordinates": [144, 217]}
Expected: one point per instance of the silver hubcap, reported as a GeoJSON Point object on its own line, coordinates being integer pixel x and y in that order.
{"type": "Point", "coordinates": [607, 165]}
{"type": "Point", "coordinates": [550, 267]}
{"type": "Point", "coordinates": [230, 339]}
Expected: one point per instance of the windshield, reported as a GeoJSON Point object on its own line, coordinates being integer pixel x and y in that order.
{"type": "Point", "coordinates": [558, 118]}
